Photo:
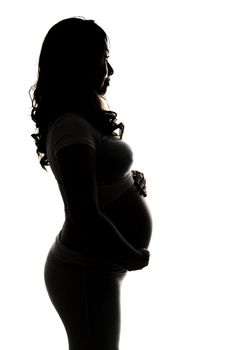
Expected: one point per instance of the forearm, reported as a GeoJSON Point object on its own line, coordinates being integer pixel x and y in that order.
{"type": "Point", "coordinates": [101, 239]}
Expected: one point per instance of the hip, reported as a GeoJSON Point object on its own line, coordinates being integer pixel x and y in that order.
{"type": "Point", "coordinates": [60, 253]}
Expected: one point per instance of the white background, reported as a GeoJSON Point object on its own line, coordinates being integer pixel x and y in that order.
{"type": "Point", "coordinates": [173, 89]}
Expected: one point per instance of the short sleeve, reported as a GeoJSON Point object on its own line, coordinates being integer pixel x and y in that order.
{"type": "Point", "coordinates": [71, 129]}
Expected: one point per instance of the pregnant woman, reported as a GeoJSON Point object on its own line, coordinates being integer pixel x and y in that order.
{"type": "Point", "coordinates": [107, 227]}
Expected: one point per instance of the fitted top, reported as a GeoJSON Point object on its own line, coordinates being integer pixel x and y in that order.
{"type": "Point", "coordinates": [114, 157]}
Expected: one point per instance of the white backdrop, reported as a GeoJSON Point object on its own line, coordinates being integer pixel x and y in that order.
{"type": "Point", "coordinates": [172, 88]}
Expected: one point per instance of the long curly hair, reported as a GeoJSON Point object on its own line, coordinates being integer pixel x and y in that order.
{"type": "Point", "coordinates": [69, 62]}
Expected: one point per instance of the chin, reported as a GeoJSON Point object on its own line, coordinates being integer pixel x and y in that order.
{"type": "Point", "coordinates": [103, 89]}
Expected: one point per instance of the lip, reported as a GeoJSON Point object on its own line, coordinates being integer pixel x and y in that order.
{"type": "Point", "coordinates": [107, 82]}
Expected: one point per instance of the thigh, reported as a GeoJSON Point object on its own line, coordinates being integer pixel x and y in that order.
{"type": "Point", "coordinates": [66, 289]}
{"type": "Point", "coordinates": [103, 308]}
{"type": "Point", "coordinates": [88, 303]}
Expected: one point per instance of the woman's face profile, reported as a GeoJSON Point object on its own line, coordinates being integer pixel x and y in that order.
{"type": "Point", "coordinates": [104, 74]}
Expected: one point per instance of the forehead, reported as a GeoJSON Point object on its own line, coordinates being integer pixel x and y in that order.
{"type": "Point", "coordinates": [106, 51]}
{"type": "Point", "coordinates": [107, 44]}
{"type": "Point", "coordinates": [106, 48]}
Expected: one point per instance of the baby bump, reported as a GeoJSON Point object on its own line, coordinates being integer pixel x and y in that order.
{"type": "Point", "coordinates": [131, 216]}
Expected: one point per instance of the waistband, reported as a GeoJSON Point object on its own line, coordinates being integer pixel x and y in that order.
{"type": "Point", "coordinates": [65, 254]}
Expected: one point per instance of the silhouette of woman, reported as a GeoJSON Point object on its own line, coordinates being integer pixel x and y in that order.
{"type": "Point", "coordinates": [107, 227]}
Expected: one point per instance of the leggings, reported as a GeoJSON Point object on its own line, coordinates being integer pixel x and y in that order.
{"type": "Point", "coordinates": [86, 295]}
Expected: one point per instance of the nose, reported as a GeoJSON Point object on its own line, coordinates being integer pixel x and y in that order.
{"type": "Point", "coordinates": [110, 69]}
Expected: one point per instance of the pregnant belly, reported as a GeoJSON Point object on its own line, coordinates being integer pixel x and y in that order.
{"type": "Point", "coordinates": [129, 213]}
{"type": "Point", "coordinates": [131, 216]}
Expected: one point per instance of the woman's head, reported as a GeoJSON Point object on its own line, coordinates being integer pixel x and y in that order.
{"type": "Point", "coordinates": [72, 59]}
{"type": "Point", "coordinates": [73, 75]}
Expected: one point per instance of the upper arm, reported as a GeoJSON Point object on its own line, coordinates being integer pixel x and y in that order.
{"type": "Point", "coordinates": [77, 164]}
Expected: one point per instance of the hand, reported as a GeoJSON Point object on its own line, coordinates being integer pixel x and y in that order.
{"type": "Point", "coordinates": [146, 256]}
{"type": "Point", "coordinates": [140, 261]}
{"type": "Point", "coordinates": [140, 182]}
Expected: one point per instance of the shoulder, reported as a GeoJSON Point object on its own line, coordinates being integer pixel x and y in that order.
{"type": "Point", "coordinates": [73, 119]}
{"type": "Point", "coordinates": [72, 128]}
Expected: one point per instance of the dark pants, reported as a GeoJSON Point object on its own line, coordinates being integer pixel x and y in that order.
{"type": "Point", "coordinates": [86, 295]}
